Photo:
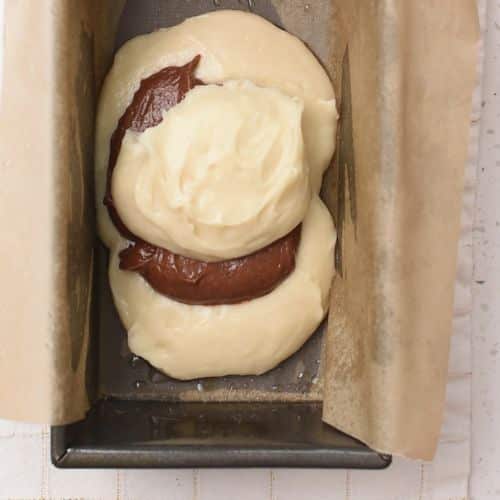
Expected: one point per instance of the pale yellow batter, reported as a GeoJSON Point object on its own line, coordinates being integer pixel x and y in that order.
{"type": "Point", "coordinates": [264, 181]}
{"type": "Point", "coordinates": [223, 175]}
{"type": "Point", "coordinates": [234, 45]}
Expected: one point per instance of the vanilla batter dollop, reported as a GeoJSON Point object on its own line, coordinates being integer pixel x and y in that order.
{"type": "Point", "coordinates": [233, 45]}
{"type": "Point", "coordinates": [223, 175]}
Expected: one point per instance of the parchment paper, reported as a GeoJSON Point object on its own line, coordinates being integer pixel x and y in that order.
{"type": "Point", "coordinates": [55, 54]}
{"type": "Point", "coordinates": [411, 70]}
{"type": "Point", "coordinates": [403, 71]}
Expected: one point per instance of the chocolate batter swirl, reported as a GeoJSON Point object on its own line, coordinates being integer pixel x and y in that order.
{"type": "Point", "coordinates": [182, 278]}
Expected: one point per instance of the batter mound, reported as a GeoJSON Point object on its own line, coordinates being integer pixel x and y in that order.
{"type": "Point", "coordinates": [221, 250]}
{"type": "Point", "coordinates": [187, 341]}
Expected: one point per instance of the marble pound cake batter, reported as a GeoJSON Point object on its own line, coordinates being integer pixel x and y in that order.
{"type": "Point", "coordinates": [212, 139]}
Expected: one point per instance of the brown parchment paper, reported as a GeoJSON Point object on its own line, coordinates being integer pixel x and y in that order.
{"type": "Point", "coordinates": [25, 358]}
{"type": "Point", "coordinates": [54, 55]}
{"type": "Point", "coordinates": [408, 79]}
{"type": "Point", "coordinates": [84, 32]}
{"type": "Point", "coordinates": [403, 72]}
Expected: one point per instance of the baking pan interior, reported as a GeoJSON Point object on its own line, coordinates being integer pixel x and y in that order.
{"type": "Point", "coordinates": [142, 418]}
{"type": "Point", "coordinates": [121, 375]}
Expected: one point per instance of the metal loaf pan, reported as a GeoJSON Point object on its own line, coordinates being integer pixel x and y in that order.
{"type": "Point", "coordinates": [141, 418]}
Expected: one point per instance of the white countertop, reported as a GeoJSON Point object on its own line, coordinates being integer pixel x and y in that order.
{"type": "Point", "coordinates": [25, 470]}
{"type": "Point", "coordinates": [485, 482]}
